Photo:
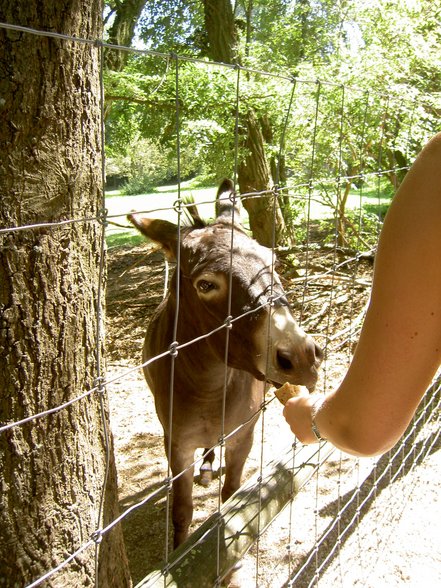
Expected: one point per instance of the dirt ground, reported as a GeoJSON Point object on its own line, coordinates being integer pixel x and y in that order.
{"type": "Point", "coordinates": [315, 539]}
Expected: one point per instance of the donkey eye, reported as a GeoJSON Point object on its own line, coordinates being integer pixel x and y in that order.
{"type": "Point", "coordinates": [205, 286]}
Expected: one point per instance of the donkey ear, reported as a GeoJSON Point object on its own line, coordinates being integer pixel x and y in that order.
{"type": "Point", "coordinates": [161, 231]}
{"type": "Point", "coordinates": [228, 205]}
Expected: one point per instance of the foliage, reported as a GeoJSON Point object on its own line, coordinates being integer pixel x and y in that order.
{"type": "Point", "coordinates": [374, 106]}
{"type": "Point", "coordinates": [361, 230]}
{"type": "Point", "coordinates": [148, 166]}
{"type": "Point", "coordinates": [285, 34]}
{"type": "Point", "coordinates": [174, 25]}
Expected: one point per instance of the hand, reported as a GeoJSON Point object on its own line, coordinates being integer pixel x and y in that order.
{"type": "Point", "coordinates": [298, 415]}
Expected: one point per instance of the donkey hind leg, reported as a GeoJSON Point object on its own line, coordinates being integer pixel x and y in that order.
{"type": "Point", "coordinates": [206, 471]}
{"type": "Point", "coordinates": [182, 510]}
{"type": "Point", "coordinates": [236, 453]}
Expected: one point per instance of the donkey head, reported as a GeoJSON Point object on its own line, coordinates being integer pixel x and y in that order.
{"type": "Point", "coordinates": [227, 278]}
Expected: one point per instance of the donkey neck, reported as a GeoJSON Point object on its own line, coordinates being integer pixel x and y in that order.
{"type": "Point", "coordinates": [200, 363]}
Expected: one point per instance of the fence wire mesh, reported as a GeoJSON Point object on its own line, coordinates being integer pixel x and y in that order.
{"type": "Point", "coordinates": [333, 213]}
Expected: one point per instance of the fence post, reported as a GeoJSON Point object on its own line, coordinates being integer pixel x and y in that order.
{"type": "Point", "coordinates": [219, 543]}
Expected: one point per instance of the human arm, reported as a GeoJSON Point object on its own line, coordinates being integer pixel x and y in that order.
{"type": "Point", "coordinates": [399, 349]}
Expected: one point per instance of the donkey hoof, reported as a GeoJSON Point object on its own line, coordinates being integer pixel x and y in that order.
{"type": "Point", "coordinates": [206, 476]}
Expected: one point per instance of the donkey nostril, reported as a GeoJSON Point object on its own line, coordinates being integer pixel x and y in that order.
{"type": "Point", "coordinates": [283, 360]}
{"type": "Point", "coordinates": [313, 352]}
{"type": "Point", "coordinates": [318, 353]}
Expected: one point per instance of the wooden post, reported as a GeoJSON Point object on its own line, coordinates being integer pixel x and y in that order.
{"type": "Point", "coordinates": [222, 540]}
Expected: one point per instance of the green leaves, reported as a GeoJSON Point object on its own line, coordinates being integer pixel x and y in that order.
{"type": "Point", "coordinates": [373, 106]}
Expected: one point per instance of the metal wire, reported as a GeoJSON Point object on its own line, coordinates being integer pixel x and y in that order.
{"type": "Point", "coordinates": [403, 455]}
{"type": "Point", "coordinates": [99, 324]}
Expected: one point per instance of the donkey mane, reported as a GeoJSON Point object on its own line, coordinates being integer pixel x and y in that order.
{"type": "Point", "coordinates": [192, 217]}
{"type": "Point", "coordinates": [223, 212]}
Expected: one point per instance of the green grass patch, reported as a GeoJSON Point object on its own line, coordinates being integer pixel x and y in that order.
{"type": "Point", "coordinates": [158, 204]}
{"type": "Point", "coordinates": [126, 238]}
{"type": "Point", "coordinates": [373, 198]}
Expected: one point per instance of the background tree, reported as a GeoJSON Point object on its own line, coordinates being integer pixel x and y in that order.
{"type": "Point", "coordinates": [253, 173]}
{"type": "Point", "coordinates": [384, 48]}
{"type": "Point", "coordinates": [221, 43]}
{"type": "Point", "coordinates": [53, 468]}
{"type": "Point", "coordinates": [124, 15]}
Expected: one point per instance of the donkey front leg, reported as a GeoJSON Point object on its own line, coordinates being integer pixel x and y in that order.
{"type": "Point", "coordinates": [206, 471]}
{"type": "Point", "coordinates": [182, 511]}
{"type": "Point", "coordinates": [236, 453]}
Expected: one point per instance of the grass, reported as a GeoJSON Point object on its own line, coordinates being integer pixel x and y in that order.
{"type": "Point", "coordinates": [124, 238]}
{"type": "Point", "coordinates": [156, 204]}
{"type": "Point", "coordinates": [375, 199]}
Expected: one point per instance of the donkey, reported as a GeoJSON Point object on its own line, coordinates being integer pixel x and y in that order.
{"type": "Point", "coordinates": [217, 382]}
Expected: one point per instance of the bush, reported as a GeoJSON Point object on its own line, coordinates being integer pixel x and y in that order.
{"type": "Point", "coordinates": [149, 166]}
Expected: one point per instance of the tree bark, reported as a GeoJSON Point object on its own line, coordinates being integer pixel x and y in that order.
{"type": "Point", "coordinates": [221, 30]}
{"type": "Point", "coordinates": [254, 174]}
{"type": "Point", "coordinates": [122, 30]}
{"type": "Point", "coordinates": [52, 469]}
{"type": "Point", "coordinates": [266, 221]}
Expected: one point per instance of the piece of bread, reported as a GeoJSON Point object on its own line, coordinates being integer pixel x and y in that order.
{"type": "Point", "coordinates": [287, 391]}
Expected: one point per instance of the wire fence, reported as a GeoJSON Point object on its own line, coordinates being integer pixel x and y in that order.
{"type": "Point", "coordinates": [336, 211]}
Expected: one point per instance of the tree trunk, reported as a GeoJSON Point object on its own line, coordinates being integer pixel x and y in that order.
{"type": "Point", "coordinates": [341, 214]}
{"type": "Point", "coordinates": [221, 30]}
{"type": "Point", "coordinates": [254, 174]}
{"type": "Point", "coordinates": [52, 469]}
{"type": "Point", "coordinates": [121, 32]}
